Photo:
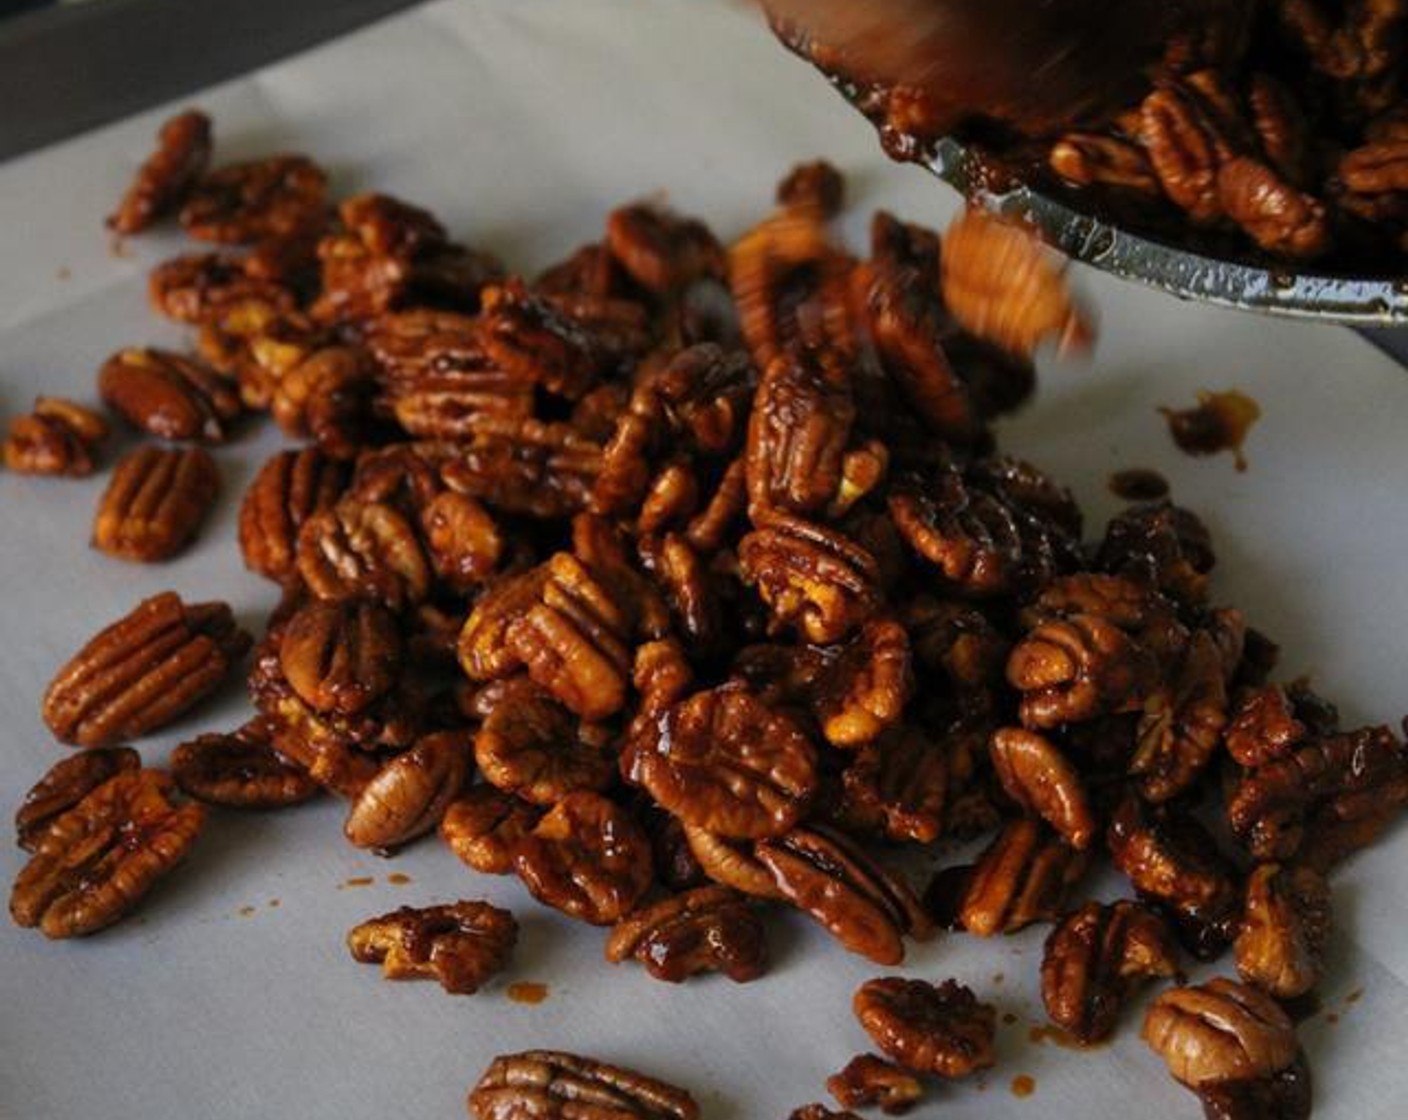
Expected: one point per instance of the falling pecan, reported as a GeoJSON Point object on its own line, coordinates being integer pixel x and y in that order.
{"type": "Point", "coordinates": [660, 250]}
{"type": "Point", "coordinates": [155, 503]}
{"type": "Point", "coordinates": [941, 1029]}
{"type": "Point", "coordinates": [460, 944]}
{"type": "Point", "coordinates": [58, 437]}
{"type": "Point", "coordinates": [708, 929]}
{"type": "Point", "coordinates": [166, 177]}
{"type": "Point", "coordinates": [553, 1085]}
{"type": "Point", "coordinates": [64, 785]}
{"type": "Point", "coordinates": [143, 671]}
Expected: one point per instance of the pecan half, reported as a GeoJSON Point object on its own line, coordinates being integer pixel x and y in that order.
{"type": "Point", "coordinates": [730, 863]}
{"type": "Point", "coordinates": [57, 437]}
{"type": "Point", "coordinates": [941, 1029]}
{"type": "Point", "coordinates": [1264, 727]}
{"type": "Point", "coordinates": [64, 785]}
{"type": "Point", "coordinates": [168, 395]}
{"type": "Point", "coordinates": [797, 436]}
{"type": "Point", "coordinates": [410, 794]}
{"type": "Point", "coordinates": [96, 861]}
{"type": "Point", "coordinates": [325, 395]}
{"type": "Point", "coordinates": [1022, 877]}
{"type": "Point", "coordinates": [484, 825]}
{"type": "Point", "coordinates": [1079, 667]}
{"type": "Point", "coordinates": [460, 944]}
{"type": "Point", "coordinates": [463, 540]}
{"type": "Point", "coordinates": [1093, 960]}
{"type": "Point", "coordinates": [216, 289]}
{"type": "Point", "coordinates": [143, 671]}
{"type": "Point", "coordinates": [898, 785]}
{"type": "Point", "coordinates": [553, 1085]}
{"type": "Point", "coordinates": [167, 175]}
{"type": "Point", "coordinates": [1182, 723]}
{"type": "Point", "coordinates": [155, 502]}
{"type": "Point", "coordinates": [708, 929]}
{"type": "Point", "coordinates": [1164, 545]}
{"type": "Point", "coordinates": [289, 489]}
{"type": "Point", "coordinates": [341, 655]}
{"type": "Point", "coordinates": [1036, 775]}
{"type": "Point", "coordinates": [241, 770]}
{"type": "Point", "coordinates": [363, 549]}
{"type": "Point", "coordinates": [660, 250]}
{"type": "Point", "coordinates": [531, 746]}
{"type": "Point", "coordinates": [871, 1082]}
{"type": "Point", "coordinates": [1285, 927]}
{"type": "Point", "coordinates": [1219, 1031]}
{"type": "Point", "coordinates": [277, 197]}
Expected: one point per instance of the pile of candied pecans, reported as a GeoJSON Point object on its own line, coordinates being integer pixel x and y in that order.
{"type": "Point", "coordinates": [685, 583]}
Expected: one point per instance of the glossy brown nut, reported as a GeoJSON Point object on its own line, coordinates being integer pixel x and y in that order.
{"type": "Point", "coordinates": [483, 827]}
{"type": "Point", "coordinates": [326, 397]}
{"type": "Point", "coordinates": [341, 655]}
{"type": "Point", "coordinates": [724, 761]}
{"type": "Point", "coordinates": [838, 885]}
{"type": "Point", "coordinates": [1022, 877]}
{"type": "Point", "coordinates": [167, 175]}
{"type": "Point", "coordinates": [871, 1082]}
{"type": "Point", "coordinates": [289, 489]}
{"type": "Point", "coordinates": [1094, 959]}
{"type": "Point", "coordinates": [708, 929]}
{"type": "Point", "coordinates": [587, 858]}
{"type": "Point", "coordinates": [277, 197]}
{"type": "Point", "coordinates": [64, 785]}
{"type": "Point", "coordinates": [811, 577]}
{"type": "Point", "coordinates": [661, 675]}
{"type": "Point", "coordinates": [460, 944]}
{"type": "Point", "coordinates": [1264, 727]}
{"type": "Point", "coordinates": [864, 690]}
{"type": "Point", "coordinates": [526, 466]}
{"type": "Point", "coordinates": [1090, 158]}
{"type": "Point", "coordinates": [940, 1029]}
{"type": "Point", "coordinates": [240, 770]}
{"type": "Point", "coordinates": [97, 860]}
{"type": "Point", "coordinates": [155, 502]}
{"type": "Point", "coordinates": [532, 747]}
{"type": "Point", "coordinates": [363, 550]}
{"type": "Point", "coordinates": [1219, 1031]}
{"type": "Point", "coordinates": [553, 1085]}
{"type": "Point", "coordinates": [213, 288]}
{"type": "Point", "coordinates": [898, 786]}
{"type": "Point", "coordinates": [143, 671]}
{"type": "Point", "coordinates": [956, 641]}
{"type": "Point", "coordinates": [659, 249]}
{"type": "Point", "coordinates": [797, 437]}
{"type": "Point", "coordinates": [464, 542]}
{"type": "Point", "coordinates": [1163, 544]}
{"type": "Point", "coordinates": [1077, 668]}
{"type": "Point", "coordinates": [1285, 929]}
{"type": "Point", "coordinates": [58, 438]}
{"type": "Point", "coordinates": [1181, 728]}
{"type": "Point", "coordinates": [730, 863]}
{"type": "Point", "coordinates": [1042, 781]}
{"type": "Point", "coordinates": [168, 395]}
{"type": "Point", "coordinates": [484, 650]}
{"type": "Point", "coordinates": [410, 794]}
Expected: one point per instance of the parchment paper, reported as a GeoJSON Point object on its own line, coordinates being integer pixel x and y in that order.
{"type": "Point", "coordinates": [230, 994]}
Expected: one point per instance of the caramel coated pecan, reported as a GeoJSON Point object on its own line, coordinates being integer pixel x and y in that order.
{"type": "Point", "coordinates": [1094, 959]}
{"type": "Point", "coordinates": [1090, 158]}
{"type": "Point", "coordinates": [289, 489]}
{"type": "Point", "coordinates": [326, 396]}
{"type": "Point", "coordinates": [708, 929]}
{"type": "Point", "coordinates": [659, 250]}
{"type": "Point", "coordinates": [363, 549]}
{"type": "Point", "coordinates": [1164, 545]}
{"type": "Point", "coordinates": [463, 540]}
{"type": "Point", "coordinates": [166, 177]}
{"type": "Point", "coordinates": [276, 197]}
{"type": "Point", "coordinates": [155, 502]}
{"type": "Point", "coordinates": [1264, 727]}
{"type": "Point", "coordinates": [57, 437]}
{"type": "Point", "coordinates": [64, 785]}
{"type": "Point", "coordinates": [723, 760]}
{"type": "Point", "coordinates": [168, 395]}
{"type": "Point", "coordinates": [857, 901]}
{"type": "Point", "coordinates": [817, 185]}
{"type": "Point", "coordinates": [1036, 775]}
{"type": "Point", "coordinates": [863, 691]}
{"type": "Point", "coordinates": [216, 289]}
{"type": "Point", "coordinates": [484, 651]}
{"type": "Point", "coordinates": [341, 655]}
{"type": "Point", "coordinates": [531, 746]}
{"type": "Point", "coordinates": [941, 1029]}
{"type": "Point", "coordinates": [588, 858]}
{"type": "Point", "coordinates": [797, 436]}
{"type": "Point", "coordinates": [897, 786]}
{"type": "Point", "coordinates": [483, 826]}
{"type": "Point", "coordinates": [460, 944]}
{"type": "Point", "coordinates": [730, 863]}
{"type": "Point", "coordinates": [241, 770]}
{"type": "Point", "coordinates": [871, 1082]}
{"type": "Point", "coordinates": [1022, 877]}
{"type": "Point", "coordinates": [96, 861]}
{"type": "Point", "coordinates": [143, 671]}
{"type": "Point", "coordinates": [1219, 1031]}
{"type": "Point", "coordinates": [553, 1085]}
{"type": "Point", "coordinates": [410, 793]}
{"type": "Point", "coordinates": [526, 466]}
{"type": "Point", "coordinates": [1285, 928]}
{"type": "Point", "coordinates": [1182, 723]}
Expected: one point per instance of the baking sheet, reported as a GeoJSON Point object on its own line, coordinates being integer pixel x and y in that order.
{"type": "Point", "coordinates": [230, 993]}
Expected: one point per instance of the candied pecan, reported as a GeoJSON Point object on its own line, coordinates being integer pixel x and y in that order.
{"type": "Point", "coordinates": [1171, 860]}
{"type": "Point", "coordinates": [64, 785]}
{"type": "Point", "coordinates": [690, 588]}
{"type": "Point", "coordinates": [463, 541]}
{"type": "Point", "coordinates": [708, 929]}
{"type": "Point", "coordinates": [205, 287]}
{"type": "Point", "coordinates": [1274, 214]}
{"type": "Point", "coordinates": [58, 437]}
{"type": "Point", "coordinates": [530, 746]}
{"type": "Point", "coordinates": [1092, 158]}
{"type": "Point", "coordinates": [1376, 169]}
{"type": "Point", "coordinates": [358, 549]}
{"type": "Point", "coordinates": [817, 185]}
{"type": "Point", "coordinates": [1264, 727]}
{"type": "Point", "coordinates": [1000, 283]}
{"type": "Point", "coordinates": [811, 576]}
{"type": "Point", "coordinates": [1036, 775]}
{"type": "Point", "coordinates": [409, 795]}
{"type": "Point", "coordinates": [941, 1029]}
{"type": "Point", "coordinates": [241, 770]}
{"type": "Point", "coordinates": [1219, 1031]}
{"type": "Point", "coordinates": [659, 250]}
{"type": "Point", "coordinates": [97, 860]}
{"type": "Point", "coordinates": [484, 651]}
{"type": "Point", "coordinates": [326, 397]}
{"type": "Point", "coordinates": [166, 177]}
{"type": "Point", "coordinates": [1022, 877]}
{"type": "Point", "coordinates": [155, 503]}
{"type": "Point", "coordinates": [1182, 723]}
{"type": "Point", "coordinates": [957, 641]}
{"type": "Point", "coordinates": [730, 863]}
{"type": "Point", "coordinates": [553, 1085]}
{"type": "Point", "coordinates": [168, 395]}
{"type": "Point", "coordinates": [864, 689]}
{"type": "Point", "coordinates": [524, 466]}
{"type": "Point", "coordinates": [1185, 148]}
{"type": "Point", "coordinates": [1163, 544]}
{"type": "Point", "coordinates": [460, 944]}
{"type": "Point", "coordinates": [341, 655]}
{"type": "Point", "coordinates": [725, 761]}
{"type": "Point", "coordinates": [1093, 960]}
{"type": "Point", "coordinates": [587, 858]}
{"type": "Point", "coordinates": [483, 825]}
{"type": "Point", "coordinates": [143, 671]}
{"type": "Point", "coordinates": [1326, 799]}
{"type": "Point", "coordinates": [870, 1082]}
{"type": "Point", "coordinates": [858, 902]}
{"type": "Point", "coordinates": [897, 785]}
{"type": "Point", "coordinates": [289, 489]}
{"type": "Point", "coordinates": [533, 342]}
{"type": "Point", "coordinates": [1285, 927]}
{"type": "Point", "coordinates": [275, 197]}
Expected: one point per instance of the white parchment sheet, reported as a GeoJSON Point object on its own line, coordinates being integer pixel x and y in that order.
{"type": "Point", "coordinates": [521, 122]}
